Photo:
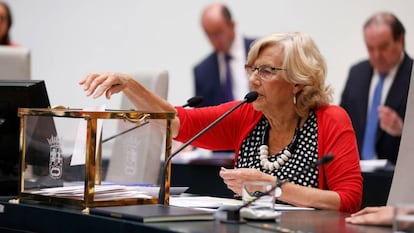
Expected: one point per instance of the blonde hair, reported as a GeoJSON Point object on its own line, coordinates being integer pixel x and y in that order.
{"type": "Point", "coordinates": [304, 64]}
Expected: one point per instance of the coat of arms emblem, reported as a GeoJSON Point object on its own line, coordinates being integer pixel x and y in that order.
{"type": "Point", "coordinates": [56, 158]}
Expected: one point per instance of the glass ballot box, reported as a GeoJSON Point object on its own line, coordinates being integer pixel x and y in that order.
{"type": "Point", "coordinates": [92, 158]}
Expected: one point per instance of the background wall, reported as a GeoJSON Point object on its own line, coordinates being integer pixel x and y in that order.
{"type": "Point", "coordinates": [70, 39]}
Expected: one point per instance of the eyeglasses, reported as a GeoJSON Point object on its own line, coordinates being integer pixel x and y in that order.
{"type": "Point", "coordinates": [265, 72]}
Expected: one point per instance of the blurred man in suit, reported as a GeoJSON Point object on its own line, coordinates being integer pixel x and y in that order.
{"type": "Point", "coordinates": [220, 77]}
{"type": "Point", "coordinates": [390, 66]}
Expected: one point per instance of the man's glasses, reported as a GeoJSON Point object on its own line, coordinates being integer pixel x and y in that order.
{"type": "Point", "coordinates": [265, 72]}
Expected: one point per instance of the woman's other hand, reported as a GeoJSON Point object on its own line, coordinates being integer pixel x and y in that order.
{"type": "Point", "coordinates": [234, 178]}
{"type": "Point", "coordinates": [97, 84]}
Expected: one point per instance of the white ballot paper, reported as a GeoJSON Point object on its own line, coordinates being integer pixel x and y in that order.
{"type": "Point", "coordinates": [79, 151]}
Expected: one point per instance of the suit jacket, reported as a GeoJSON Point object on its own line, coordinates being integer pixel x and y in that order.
{"type": "Point", "coordinates": [207, 78]}
{"type": "Point", "coordinates": [355, 98]}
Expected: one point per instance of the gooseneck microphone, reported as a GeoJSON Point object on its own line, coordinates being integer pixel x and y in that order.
{"type": "Point", "coordinates": [192, 102]}
{"type": "Point", "coordinates": [232, 213]}
{"type": "Point", "coordinates": [250, 97]}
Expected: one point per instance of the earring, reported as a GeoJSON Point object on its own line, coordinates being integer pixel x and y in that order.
{"type": "Point", "coordinates": [294, 99]}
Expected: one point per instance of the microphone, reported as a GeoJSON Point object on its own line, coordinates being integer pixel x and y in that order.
{"type": "Point", "coordinates": [192, 102]}
{"type": "Point", "coordinates": [250, 97]}
{"type": "Point", "coordinates": [232, 213]}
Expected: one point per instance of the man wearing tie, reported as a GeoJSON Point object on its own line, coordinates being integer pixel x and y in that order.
{"type": "Point", "coordinates": [220, 77]}
{"type": "Point", "coordinates": [375, 94]}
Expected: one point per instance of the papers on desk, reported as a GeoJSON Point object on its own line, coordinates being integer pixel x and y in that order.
{"type": "Point", "coordinates": [281, 207]}
{"type": "Point", "coordinates": [202, 201]}
{"type": "Point", "coordinates": [106, 192]}
{"type": "Point", "coordinates": [102, 192]}
{"type": "Point", "coordinates": [216, 202]}
{"type": "Point", "coordinates": [372, 165]}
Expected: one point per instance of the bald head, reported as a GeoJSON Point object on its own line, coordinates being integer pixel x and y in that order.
{"type": "Point", "coordinates": [218, 25]}
{"type": "Point", "coordinates": [387, 19]}
{"type": "Point", "coordinates": [216, 12]}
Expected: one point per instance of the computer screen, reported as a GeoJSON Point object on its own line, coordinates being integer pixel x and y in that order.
{"type": "Point", "coordinates": [26, 94]}
{"type": "Point", "coordinates": [14, 63]}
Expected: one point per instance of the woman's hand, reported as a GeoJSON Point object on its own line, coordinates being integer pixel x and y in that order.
{"type": "Point", "coordinates": [372, 216]}
{"type": "Point", "coordinates": [234, 178]}
{"type": "Point", "coordinates": [98, 84]}
{"type": "Point", "coordinates": [108, 83]}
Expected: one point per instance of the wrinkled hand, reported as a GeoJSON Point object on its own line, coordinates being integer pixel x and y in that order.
{"type": "Point", "coordinates": [234, 178]}
{"type": "Point", "coordinates": [97, 84]}
{"type": "Point", "coordinates": [372, 216]}
{"type": "Point", "coordinates": [390, 121]}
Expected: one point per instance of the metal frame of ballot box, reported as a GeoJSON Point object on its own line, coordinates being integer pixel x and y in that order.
{"type": "Point", "coordinates": [93, 160]}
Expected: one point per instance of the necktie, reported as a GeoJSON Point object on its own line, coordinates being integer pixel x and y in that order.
{"type": "Point", "coordinates": [368, 147]}
{"type": "Point", "coordinates": [228, 85]}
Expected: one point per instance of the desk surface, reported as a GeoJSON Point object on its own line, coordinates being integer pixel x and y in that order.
{"type": "Point", "coordinates": [377, 184]}
{"type": "Point", "coordinates": [290, 221]}
{"type": "Point", "coordinates": [36, 218]}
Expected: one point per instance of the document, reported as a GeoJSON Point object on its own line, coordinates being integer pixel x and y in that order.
{"type": "Point", "coordinates": [79, 152]}
{"type": "Point", "coordinates": [372, 165]}
{"type": "Point", "coordinates": [102, 192]}
{"type": "Point", "coordinates": [202, 201]}
{"type": "Point", "coordinates": [216, 202]}
{"type": "Point", "coordinates": [107, 192]}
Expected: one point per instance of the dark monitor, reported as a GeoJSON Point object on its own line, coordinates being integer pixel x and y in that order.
{"type": "Point", "coordinates": [26, 94]}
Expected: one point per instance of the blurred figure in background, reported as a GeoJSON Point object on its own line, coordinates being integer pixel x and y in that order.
{"type": "Point", "coordinates": [375, 95]}
{"type": "Point", "coordinates": [5, 24]}
{"type": "Point", "coordinates": [220, 77]}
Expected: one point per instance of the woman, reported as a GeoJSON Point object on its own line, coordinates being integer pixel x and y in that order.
{"type": "Point", "coordinates": [286, 129]}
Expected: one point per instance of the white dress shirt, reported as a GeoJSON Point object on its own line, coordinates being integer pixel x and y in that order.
{"type": "Point", "coordinates": [240, 80]}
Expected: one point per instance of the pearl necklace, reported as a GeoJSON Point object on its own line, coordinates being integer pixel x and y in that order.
{"type": "Point", "coordinates": [283, 157]}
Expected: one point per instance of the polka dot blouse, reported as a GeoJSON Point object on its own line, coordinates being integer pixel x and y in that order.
{"type": "Point", "coordinates": [305, 153]}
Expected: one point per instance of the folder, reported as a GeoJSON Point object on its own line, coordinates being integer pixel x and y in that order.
{"type": "Point", "coordinates": [152, 213]}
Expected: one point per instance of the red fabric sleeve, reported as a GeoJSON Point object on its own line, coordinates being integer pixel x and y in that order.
{"type": "Point", "coordinates": [228, 134]}
{"type": "Point", "coordinates": [342, 175]}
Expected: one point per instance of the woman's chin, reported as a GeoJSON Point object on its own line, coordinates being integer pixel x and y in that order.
{"type": "Point", "coordinates": [258, 106]}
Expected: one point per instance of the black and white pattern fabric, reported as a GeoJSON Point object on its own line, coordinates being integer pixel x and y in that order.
{"type": "Point", "coordinates": [305, 153]}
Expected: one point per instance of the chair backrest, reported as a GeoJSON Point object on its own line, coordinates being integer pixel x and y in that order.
{"type": "Point", "coordinates": [137, 155]}
{"type": "Point", "coordinates": [14, 63]}
{"type": "Point", "coordinates": [402, 185]}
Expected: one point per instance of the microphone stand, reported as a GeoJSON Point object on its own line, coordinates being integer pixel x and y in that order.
{"type": "Point", "coordinates": [250, 97]}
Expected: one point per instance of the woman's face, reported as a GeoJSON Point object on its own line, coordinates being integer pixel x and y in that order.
{"type": "Point", "coordinates": [275, 94]}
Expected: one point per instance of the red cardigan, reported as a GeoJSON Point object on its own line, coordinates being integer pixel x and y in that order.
{"type": "Point", "coordinates": [335, 135]}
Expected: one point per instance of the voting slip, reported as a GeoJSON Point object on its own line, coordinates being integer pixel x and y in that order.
{"type": "Point", "coordinates": [153, 213]}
